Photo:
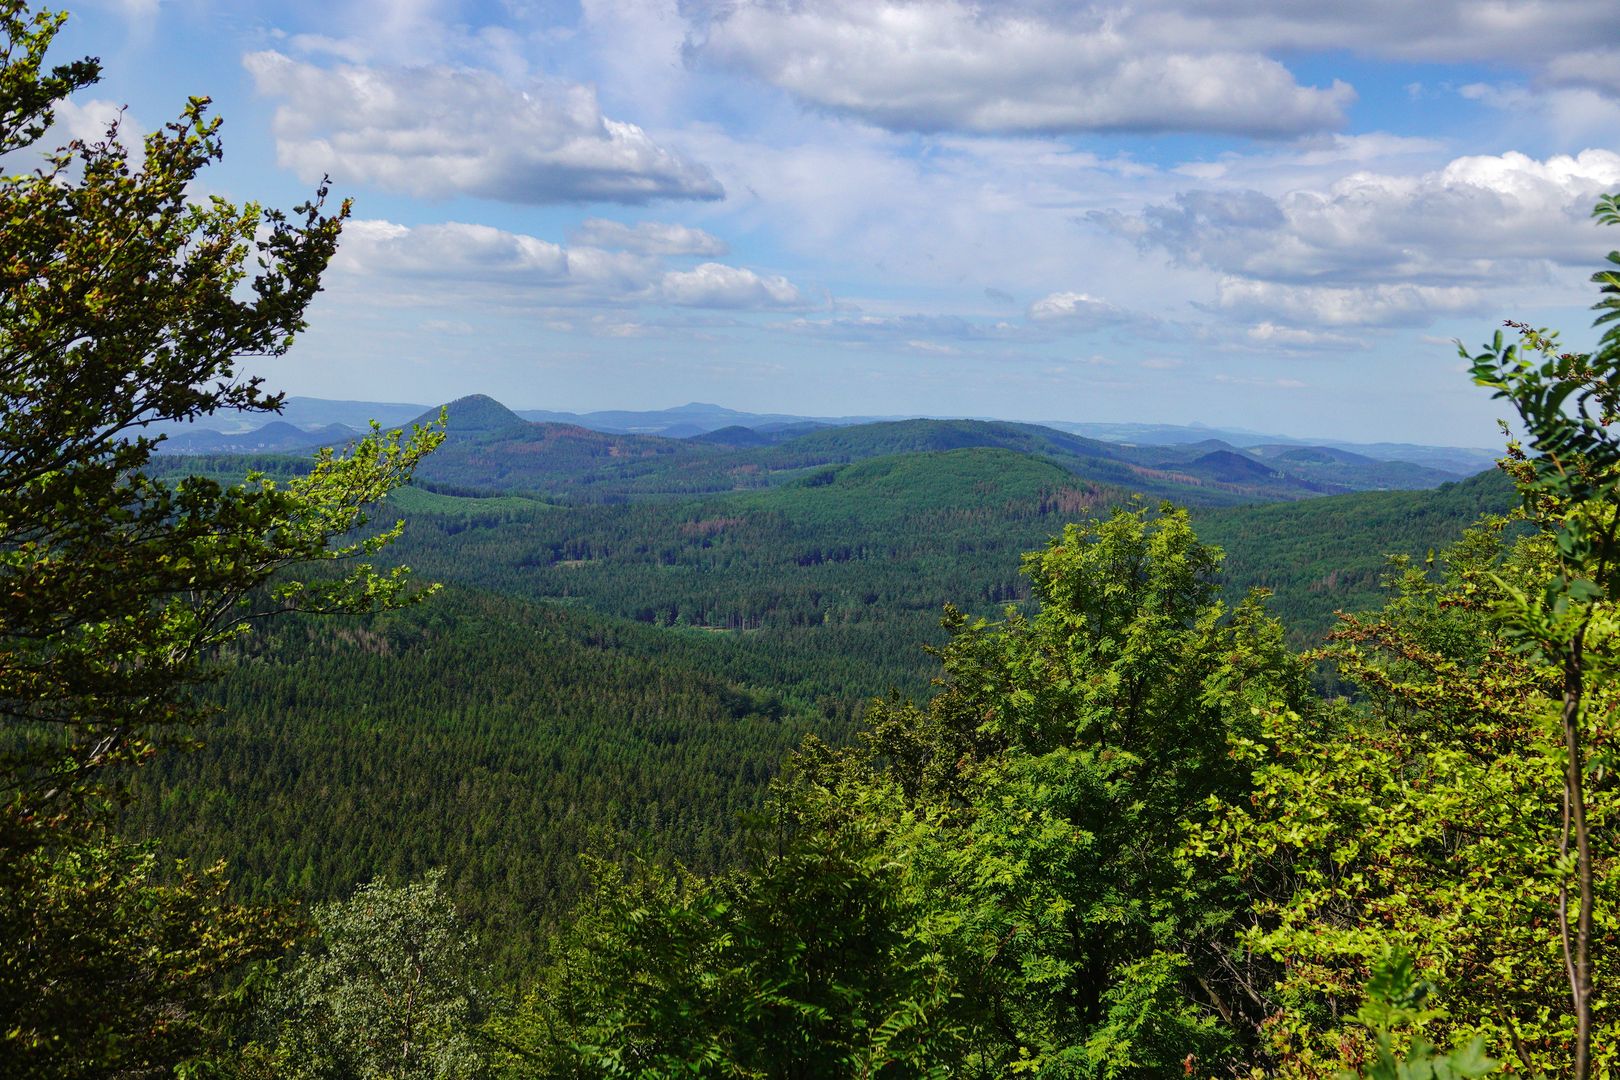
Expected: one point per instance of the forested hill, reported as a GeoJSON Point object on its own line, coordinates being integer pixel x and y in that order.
{"type": "Point", "coordinates": [1332, 554]}
{"type": "Point", "coordinates": [491, 449]}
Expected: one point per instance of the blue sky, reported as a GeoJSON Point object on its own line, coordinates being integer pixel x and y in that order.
{"type": "Point", "coordinates": [1268, 215]}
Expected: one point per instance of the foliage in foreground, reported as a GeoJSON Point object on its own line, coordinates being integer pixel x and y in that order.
{"type": "Point", "coordinates": [125, 301]}
{"type": "Point", "coordinates": [1123, 840]}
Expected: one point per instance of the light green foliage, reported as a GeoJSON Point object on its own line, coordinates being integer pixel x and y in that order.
{"type": "Point", "coordinates": [385, 991]}
{"type": "Point", "coordinates": [1395, 999]}
{"type": "Point", "coordinates": [1569, 404]}
{"type": "Point", "coordinates": [1419, 818]}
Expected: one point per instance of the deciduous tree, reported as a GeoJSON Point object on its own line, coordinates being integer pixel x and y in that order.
{"type": "Point", "coordinates": [128, 300]}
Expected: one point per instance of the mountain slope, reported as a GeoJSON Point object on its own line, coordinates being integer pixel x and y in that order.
{"type": "Point", "coordinates": [276, 437]}
{"type": "Point", "coordinates": [1330, 554]}
{"type": "Point", "coordinates": [474, 415]}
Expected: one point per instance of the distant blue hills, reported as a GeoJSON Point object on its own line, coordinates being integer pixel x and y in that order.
{"type": "Point", "coordinates": [1229, 455]}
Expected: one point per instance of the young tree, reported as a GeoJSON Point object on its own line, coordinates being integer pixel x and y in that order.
{"type": "Point", "coordinates": [128, 301]}
{"type": "Point", "coordinates": [1413, 817]}
{"type": "Point", "coordinates": [384, 991]}
{"type": "Point", "coordinates": [1062, 762]}
{"type": "Point", "coordinates": [1569, 405]}
{"type": "Point", "coordinates": [1420, 817]}
{"type": "Point", "coordinates": [807, 964]}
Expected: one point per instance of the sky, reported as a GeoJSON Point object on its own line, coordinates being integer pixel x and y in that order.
{"type": "Point", "coordinates": [1271, 214]}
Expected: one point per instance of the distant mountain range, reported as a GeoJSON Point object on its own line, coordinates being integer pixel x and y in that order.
{"type": "Point", "coordinates": [1460, 460]}
{"type": "Point", "coordinates": [687, 444]}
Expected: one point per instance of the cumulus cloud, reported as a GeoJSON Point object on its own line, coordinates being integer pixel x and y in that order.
{"type": "Point", "coordinates": [512, 266]}
{"type": "Point", "coordinates": [647, 238]}
{"type": "Point", "coordinates": [949, 64]}
{"type": "Point", "coordinates": [436, 131]}
{"type": "Point", "coordinates": [1147, 65]}
{"type": "Point", "coordinates": [1453, 224]}
{"type": "Point", "coordinates": [1293, 337]}
{"type": "Point", "coordinates": [1374, 248]}
{"type": "Point", "coordinates": [716, 285]}
{"type": "Point", "coordinates": [453, 250]}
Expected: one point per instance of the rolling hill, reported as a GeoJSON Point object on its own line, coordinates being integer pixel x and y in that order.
{"type": "Point", "coordinates": [618, 675]}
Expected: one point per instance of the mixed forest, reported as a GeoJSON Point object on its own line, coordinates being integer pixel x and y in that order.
{"type": "Point", "coordinates": [496, 746]}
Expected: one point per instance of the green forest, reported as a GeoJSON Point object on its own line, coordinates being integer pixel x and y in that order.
{"type": "Point", "coordinates": [492, 748]}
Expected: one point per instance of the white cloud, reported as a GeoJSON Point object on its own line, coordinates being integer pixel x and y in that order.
{"type": "Point", "coordinates": [1373, 247]}
{"type": "Point", "coordinates": [1145, 65]}
{"type": "Point", "coordinates": [1077, 309]}
{"type": "Point", "coordinates": [1328, 305]}
{"type": "Point", "coordinates": [1456, 223]}
{"type": "Point", "coordinates": [716, 285]}
{"type": "Point", "coordinates": [647, 238]}
{"type": "Point", "coordinates": [906, 329]}
{"type": "Point", "coordinates": [453, 250]}
{"type": "Point", "coordinates": [88, 119]}
{"type": "Point", "coordinates": [949, 64]}
{"type": "Point", "coordinates": [514, 268]}
{"type": "Point", "coordinates": [1293, 337]}
{"type": "Point", "coordinates": [436, 131]}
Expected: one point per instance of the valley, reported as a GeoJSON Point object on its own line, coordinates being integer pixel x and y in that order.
{"type": "Point", "coordinates": [636, 630]}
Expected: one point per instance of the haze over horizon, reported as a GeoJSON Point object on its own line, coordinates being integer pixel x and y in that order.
{"type": "Point", "coordinates": [1253, 215]}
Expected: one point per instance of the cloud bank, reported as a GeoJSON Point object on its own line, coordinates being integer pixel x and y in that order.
{"type": "Point", "coordinates": [457, 255]}
{"type": "Point", "coordinates": [648, 238]}
{"type": "Point", "coordinates": [439, 131]}
{"type": "Point", "coordinates": [935, 66]}
{"type": "Point", "coordinates": [1374, 249]}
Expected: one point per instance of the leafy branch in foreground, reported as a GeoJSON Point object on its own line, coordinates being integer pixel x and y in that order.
{"type": "Point", "coordinates": [1395, 999]}
{"type": "Point", "coordinates": [1570, 478]}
